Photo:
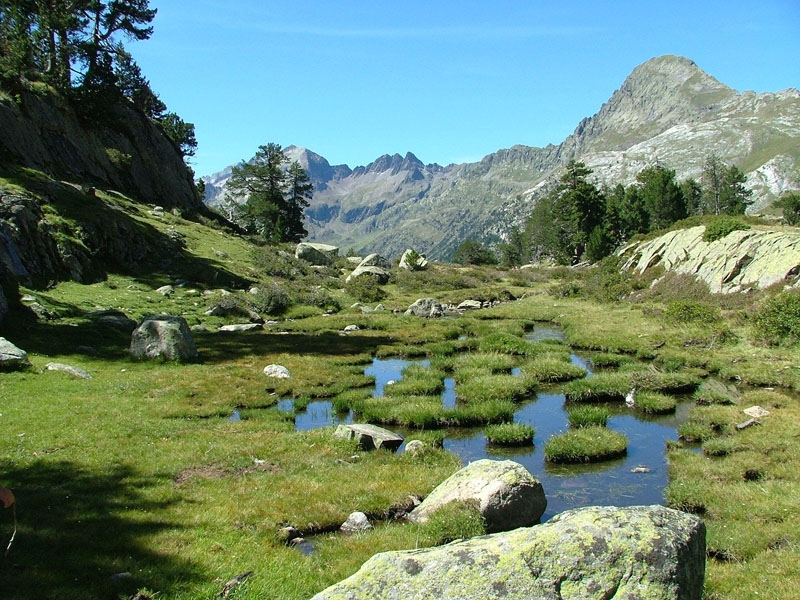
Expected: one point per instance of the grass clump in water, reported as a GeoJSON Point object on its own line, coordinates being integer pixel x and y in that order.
{"type": "Point", "coordinates": [510, 434]}
{"type": "Point", "coordinates": [506, 343]}
{"type": "Point", "coordinates": [493, 362]}
{"type": "Point", "coordinates": [585, 444]}
{"type": "Point", "coordinates": [655, 403]}
{"type": "Point", "coordinates": [496, 387]}
{"type": "Point", "coordinates": [550, 369]}
{"type": "Point", "coordinates": [587, 416]}
{"type": "Point", "coordinates": [603, 387]}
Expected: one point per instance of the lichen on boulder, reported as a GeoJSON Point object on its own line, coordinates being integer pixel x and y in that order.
{"type": "Point", "coordinates": [640, 552]}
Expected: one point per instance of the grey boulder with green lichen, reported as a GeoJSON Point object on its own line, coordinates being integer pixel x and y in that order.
{"type": "Point", "coordinates": [164, 337]}
{"type": "Point", "coordinates": [507, 494]}
{"type": "Point", "coordinates": [639, 552]}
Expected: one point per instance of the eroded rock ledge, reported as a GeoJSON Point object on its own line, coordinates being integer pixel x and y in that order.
{"type": "Point", "coordinates": [740, 260]}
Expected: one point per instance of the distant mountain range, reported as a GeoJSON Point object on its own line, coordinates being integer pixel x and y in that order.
{"type": "Point", "coordinates": [668, 111]}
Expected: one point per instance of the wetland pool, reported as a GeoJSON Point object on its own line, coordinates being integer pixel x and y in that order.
{"type": "Point", "coordinates": [637, 478]}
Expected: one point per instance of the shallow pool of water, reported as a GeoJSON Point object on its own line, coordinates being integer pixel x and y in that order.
{"type": "Point", "coordinates": [638, 478]}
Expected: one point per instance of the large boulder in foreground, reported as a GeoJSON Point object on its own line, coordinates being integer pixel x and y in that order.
{"type": "Point", "coordinates": [164, 337]}
{"type": "Point", "coordinates": [507, 494]}
{"type": "Point", "coordinates": [590, 553]}
{"type": "Point", "coordinates": [316, 254]}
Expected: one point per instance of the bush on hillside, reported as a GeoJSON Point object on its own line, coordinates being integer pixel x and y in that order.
{"type": "Point", "coordinates": [778, 321]}
{"type": "Point", "coordinates": [719, 228]}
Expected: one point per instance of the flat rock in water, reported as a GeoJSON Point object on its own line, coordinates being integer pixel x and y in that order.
{"type": "Point", "coordinates": [592, 553]}
{"type": "Point", "coordinates": [370, 436]}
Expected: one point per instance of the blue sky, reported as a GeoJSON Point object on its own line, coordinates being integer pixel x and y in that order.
{"type": "Point", "coordinates": [449, 80]}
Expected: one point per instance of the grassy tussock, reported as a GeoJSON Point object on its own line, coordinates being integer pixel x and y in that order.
{"type": "Point", "coordinates": [593, 443]}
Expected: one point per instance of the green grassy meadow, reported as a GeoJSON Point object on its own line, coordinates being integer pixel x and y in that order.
{"type": "Point", "coordinates": [136, 480]}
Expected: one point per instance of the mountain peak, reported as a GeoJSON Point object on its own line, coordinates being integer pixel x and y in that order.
{"type": "Point", "coordinates": [657, 95]}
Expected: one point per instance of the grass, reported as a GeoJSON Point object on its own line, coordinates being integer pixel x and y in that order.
{"type": "Point", "coordinates": [510, 434]}
{"type": "Point", "coordinates": [593, 443]}
{"type": "Point", "coordinates": [587, 416]}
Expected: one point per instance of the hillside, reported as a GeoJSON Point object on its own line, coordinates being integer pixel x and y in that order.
{"type": "Point", "coordinates": [668, 111]}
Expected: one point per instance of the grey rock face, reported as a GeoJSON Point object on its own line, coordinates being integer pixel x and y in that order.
{"type": "Point", "coordinates": [591, 553]}
{"type": "Point", "coordinates": [11, 357]}
{"type": "Point", "coordinates": [507, 494]}
{"type": "Point", "coordinates": [165, 337]}
{"type": "Point", "coordinates": [426, 307]}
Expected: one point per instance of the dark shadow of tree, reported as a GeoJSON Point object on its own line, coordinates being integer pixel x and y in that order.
{"type": "Point", "coordinates": [74, 540]}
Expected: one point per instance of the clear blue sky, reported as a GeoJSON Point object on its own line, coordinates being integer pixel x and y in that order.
{"type": "Point", "coordinates": [449, 80]}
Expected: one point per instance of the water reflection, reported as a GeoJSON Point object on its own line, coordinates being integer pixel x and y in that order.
{"type": "Point", "coordinates": [391, 369]}
{"type": "Point", "coordinates": [315, 415]}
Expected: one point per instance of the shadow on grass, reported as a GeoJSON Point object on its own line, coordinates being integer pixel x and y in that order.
{"type": "Point", "coordinates": [74, 540]}
{"type": "Point", "coordinates": [221, 347]}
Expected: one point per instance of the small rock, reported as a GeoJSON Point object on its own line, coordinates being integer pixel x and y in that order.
{"type": "Point", "coordinates": [470, 305]}
{"type": "Point", "coordinates": [166, 290]}
{"type": "Point", "coordinates": [756, 412]}
{"type": "Point", "coordinates": [351, 328]}
{"type": "Point", "coordinates": [357, 522]}
{"type": "Point", "coordinates": [277, 371]}
{"type": "Point", "coordinates": [641, 469]}
{"type": "Point", "coordinates": [76, 371]}
{"type": "Point", "coordinates": [241, 327]}
{"type": "Point", "coordinates": [415, 447]}
{"type": "Point", "coordinates": [288, 534]}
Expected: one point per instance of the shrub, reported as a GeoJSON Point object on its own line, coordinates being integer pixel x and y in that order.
{"type": "Point", "coordinates": [585, 444]}
{"type": "Point", "coordinates": [509, 434]}
{"type": "Point", "coordinates": [719, 228]}
{"type": "Point", "coordinates": [271, 299]}
{"type": "Point", "coordinates": [689, 311]}
{"type": "Point", "coordinates": [778, 321]}
{"type": "Point", "coordinates": [320, 297]}
{"type": "Point", "coordinates": [365, 289]}
{"type": "Point", "coordinates": [587, 416]}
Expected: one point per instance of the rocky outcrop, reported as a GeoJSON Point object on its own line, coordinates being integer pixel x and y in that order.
{"type": "Point", "coordinates": [741, 259]}
{"type": "Point", "coordinates": [163, 337]}
{"type": "Point", "coordinates": [590, 553]}
{"type": "Point", "coordinates": [127, 152]}
{"type": "Point", "coordinates": [411, 260]}
{"type": "Point", "coordinates": [508, 496]}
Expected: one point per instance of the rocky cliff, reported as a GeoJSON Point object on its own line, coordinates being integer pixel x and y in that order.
{"type": "Point", "coordinates": [123, 151]}
{"type": "Point", "coordinates": [667, 111]}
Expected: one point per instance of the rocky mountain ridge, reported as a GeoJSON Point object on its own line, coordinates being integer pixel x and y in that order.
{"type": "Point", "coordinates": [668, 111]}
